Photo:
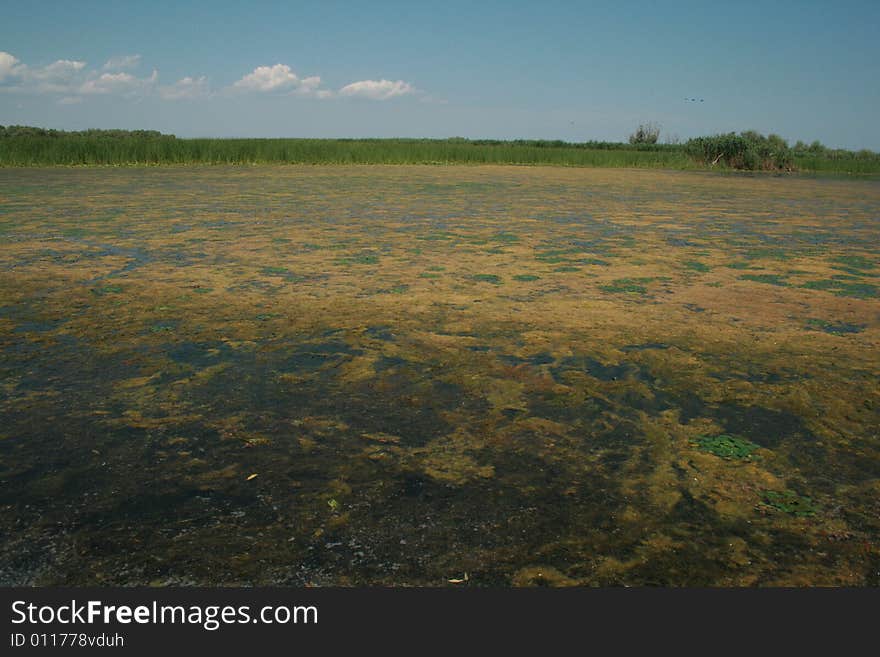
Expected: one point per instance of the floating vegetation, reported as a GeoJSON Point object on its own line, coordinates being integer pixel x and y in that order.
{"type": "Point", "coordinates": [487, 278]}
{"type": "Point", "coordinates": [769, 279]}
{"type": "Point", "coordinates": [695, 265]}
{"type": "Point", "coordinates": [163, 327]}
{"type": "Point", "coordinates": [592, 261]}
{"type": "Point", "coordinates": [362, 259]}
{"type": "Point", "coordinates": [727, 447]}
{"type": "Point", "coordinates": [507, 238]}
{"type": "Point", "coordinates": [522, 426]}
{"type": "Point", "coordinates": [400, 288]}
{"type": "Point", "coordinates": [843, 289]}
{"type": "Point", "coordinates": [789, 502]}
{"type": "Point", "coordinates": [627, 285]}
{"type": "Point", "coordinates": [283, 272]}
{"type": "Point", "coordinates": [835, 328]}
{"type": "Point", "coordinates": [855, 262]}
{"type": "Point", "coordinates": [106, 289]}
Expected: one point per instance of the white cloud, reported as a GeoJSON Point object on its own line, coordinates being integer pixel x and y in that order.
{"type": "Point", "coordinates": [277, 79]}
{"type": "Point", "coordinates": [186, 89]}
{"type": "Point", "coordinates": [71, 80]}
{"type": "Point", "coordinates": [9, 65]}
{"type": "Point", "coordinates": [122, 62]}
{"type": "Point", "coordinates": [268, 78]}
{"type": "Point", "coordinates": [377, 89]}
{"type": "Point", "coordinates": [60, 76]}
{"type": "Point", "coordinates": [118, 83]}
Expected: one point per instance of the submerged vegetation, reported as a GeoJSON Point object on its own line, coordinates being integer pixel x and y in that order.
{"type": "Point", "coordinates": [29, 146]}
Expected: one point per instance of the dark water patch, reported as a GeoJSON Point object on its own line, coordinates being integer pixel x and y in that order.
{"type": "Point", "coordinates": [382, 332]}
{"type": "Point", "coordinates": [315, 356]}
{"type": "Point", "coordinates": [764, 426]}
{"type": "Point", "coordinates": [644, 346]}
{"type": "Point", "coordinates": [763, 377]}
{"type": "Point", "coordinates": [689, 404]}
{"type": "Point", "coordinates": [480, 348]}
{"type": "Point", "coordinates": [384, 363]}
{"type": "Point", "coordinates": [701, 554]}
{"type": "Point", "coordinates": [38, 326]}
{"type": "Point", "coordinates": [542, 358]}
{"type": "Point", "coordinates": [601, 371]}
{"type": "Point", "coordinates": [565, 408]}
{"type": "Point", "coordinates": [199, 354]}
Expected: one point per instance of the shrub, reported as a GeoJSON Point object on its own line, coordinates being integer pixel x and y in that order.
{"type": "Point", "coordinates": [748, 150]}
{"type": "Point", "coordinates": [646, 133]}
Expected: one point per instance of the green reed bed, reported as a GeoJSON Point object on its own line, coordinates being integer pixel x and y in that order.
{"type": "Point", "coordinates": [48, 148]}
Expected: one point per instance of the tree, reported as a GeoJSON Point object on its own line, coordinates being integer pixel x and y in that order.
{"type": "Point", "coordinates": [647, 133]}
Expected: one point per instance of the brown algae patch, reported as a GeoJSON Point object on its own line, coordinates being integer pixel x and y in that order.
{"type": "Point", "coordinates": [536, 376]}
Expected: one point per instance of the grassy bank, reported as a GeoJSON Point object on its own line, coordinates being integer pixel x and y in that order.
{"type": "Point", "coordinates": [149, 148]}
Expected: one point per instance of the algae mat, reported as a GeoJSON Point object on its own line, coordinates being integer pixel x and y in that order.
{"type": "Point", "coordinates": [444, 376]}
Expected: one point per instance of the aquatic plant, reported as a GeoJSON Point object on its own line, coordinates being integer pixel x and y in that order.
{"type": "Point", "coordinates": [788, 501]}
{"type": "Point", "coordinates": [769, 279]}
{"type": "Point", "coordinates": [487, 278]}
{"type": "Point", "coordinates": [728, 447]}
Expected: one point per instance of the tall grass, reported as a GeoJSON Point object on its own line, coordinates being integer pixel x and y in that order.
{"type": "Point", "coordinates": [102, 148]}
{"type": "Point", "coordinates": [88, 150]}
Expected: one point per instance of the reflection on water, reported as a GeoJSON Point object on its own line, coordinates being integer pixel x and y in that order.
{"type": "Point", "coordinates": [399, 375]}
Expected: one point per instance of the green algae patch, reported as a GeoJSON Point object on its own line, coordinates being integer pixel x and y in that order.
{"type": "Point", "coordinates": [696, 265]}
{"type": "Point", "coordinates": [106, 289]}
{"type": "Point", "coordinates": [362, 259]}
{"type": "Point", "coordinates": [834, 328]}
{"type": "Point", "coordinates": [855, 262]}
{"type": "Point", "coordinates": [768, 279]}
{"type": "Point", "coordinates": [843, 289]}
{"type": "Point", "coordinates": [789, 502]}
{"type": "Point", "coordinates": [627, 285]}
{"type": "Point", "coordinates": [727, 447]}
{"type": "Point", "coordinates": [526, 278]}
{"type": "Point", "coordinates": [487, 278]}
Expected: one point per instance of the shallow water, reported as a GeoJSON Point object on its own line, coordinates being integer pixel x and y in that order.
{"type": "Point", "coordinates": [535, 376]}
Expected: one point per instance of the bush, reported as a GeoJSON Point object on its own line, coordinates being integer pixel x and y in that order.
{"type": "Point", "coordinates": [748, 150]}
{"type": "Point", "coordinates": [647, 133]}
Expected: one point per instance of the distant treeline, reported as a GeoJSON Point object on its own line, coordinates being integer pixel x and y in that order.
{"type": "Point", "coordinates": [30, 131]}
{"type": "Point", "coordinates": [28, 146]}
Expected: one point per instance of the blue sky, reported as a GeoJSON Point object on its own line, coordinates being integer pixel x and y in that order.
{"type": "Point", "coordinates": [554, 70]}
